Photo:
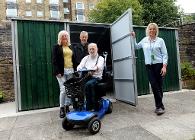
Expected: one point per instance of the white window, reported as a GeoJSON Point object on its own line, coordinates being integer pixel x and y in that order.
{"type": "Point", "coordinates": [39, 1]}
{"type": "Point", "coordinates": [39, 13]}
{"type": "Point", "coordinates": [14, 1]}
{"type": "Point", "coordinates": [65, 1]}
{"type": "Point", "coordinates": [11, 12]}
{"type": "Point", "coordinates": [66, 19]}
{"type": "Point", "coordinates": [79, 5]}
{"type": "Point", "coordinates": [66, 11]}
{"type": "Point", "coordinates": [28, 13]}
{"type": "Point", "coordinates": [53, 1]}
{"type": "Point", "coordinates": [54, 14]}
{"type": "Point", "coordinates": [91, 6]}
{"type": "Point", "coordinates": [28, 1]}
{"type": "Point", "coordinates": [80, 18]}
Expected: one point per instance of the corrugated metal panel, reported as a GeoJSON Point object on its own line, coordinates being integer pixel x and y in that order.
{"type": "Point", "coordinates": [171, 81]}
{"type": "Point", "coordinates": [142, 79]}
{"type": "Point", "coordinates": [39, 87]}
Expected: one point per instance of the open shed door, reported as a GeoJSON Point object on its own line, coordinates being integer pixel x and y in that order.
{"type": "Point", "coordinates": [124, 64]}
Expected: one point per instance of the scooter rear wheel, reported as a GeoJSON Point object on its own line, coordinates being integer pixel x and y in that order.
{"type": "Point", "coordinates": [110, 107]}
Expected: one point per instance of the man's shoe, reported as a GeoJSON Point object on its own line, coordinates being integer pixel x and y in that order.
{"type": "Point", "coordinates": [62, 112]}
{"type": "Point", "coordinates": [159, 111]}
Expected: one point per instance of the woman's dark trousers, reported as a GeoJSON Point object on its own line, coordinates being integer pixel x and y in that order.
{"type": "Point", "coordinates": [156, 81]}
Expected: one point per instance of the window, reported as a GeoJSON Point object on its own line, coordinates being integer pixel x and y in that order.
{"type": "Point", "coordinates": [39, 13]}
{"type": "Point", "coordinates": [65, 1]}
{"type": "Point", "coordinates": [80, 18]}
{"type": "Point", "coordinates": [79, 5]}
{"type": "Point", "coordinates": [14, 1]}
{"type": "Point", "coordinates": [39, 1]}
{"type": "Point", "coordinates": [28, 1]}
{"type": "Point", "coordinates": [11, 12]}
{"type": "Point", "coordinates": [54, 14]}
{"type": "Point", "coordinates": [66, 19]}
{"type": "Point", "coordinates": [28, 13]}
{"type": "Point", "coordinates": [66, 11]}
{"type": "Point", "coordinates": [53, 1]}
{"type": "Point", "coordinates": [91, 6]}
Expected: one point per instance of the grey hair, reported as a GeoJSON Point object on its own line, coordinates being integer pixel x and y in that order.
{"type": "Point", "coordinates": [152, 24]}
{"type": "Point", "coordinates": [60, 34]}
{"type": "Point", "coordinates": [84, 33]}
{"type": "Point", "coordinates": [92, 44]}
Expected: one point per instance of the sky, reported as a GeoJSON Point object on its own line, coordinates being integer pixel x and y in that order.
{"type": "Point", "coordinates": [187, 5]}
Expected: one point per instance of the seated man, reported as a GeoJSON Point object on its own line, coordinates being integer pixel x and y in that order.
{"type": "Point", "coordinates": [95, 63]}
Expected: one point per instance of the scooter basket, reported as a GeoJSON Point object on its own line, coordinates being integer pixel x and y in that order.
{"type": "Point", "coordinates": [74, 88]}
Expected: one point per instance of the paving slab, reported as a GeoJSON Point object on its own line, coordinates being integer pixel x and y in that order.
{"type": "Point", "coordinates": [133, 133]}
{"type": "Point", "coordinates": [4, 135]}
{"type": "Point", "coordinates": [124, 123]}
{"type": "Point", "coordinates": [7, 123]}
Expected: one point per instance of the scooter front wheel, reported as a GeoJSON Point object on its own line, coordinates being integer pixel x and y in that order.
{"type": "Point", "coordinates": [94, 125]}
{"type": "Point", "coordinates": [66, 124]}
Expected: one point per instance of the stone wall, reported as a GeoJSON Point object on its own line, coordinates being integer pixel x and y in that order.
{"type": "Point", "coordinates": [6, 62]}
{"type": "Point", "coordinates": [187, 43]}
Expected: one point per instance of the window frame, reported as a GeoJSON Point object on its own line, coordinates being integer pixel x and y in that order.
{"type": "Point", "coordinates": [83, 18]}
{"type": "Point", "coordinates": [26, 13]}
{"type": "Point", "coordinates": [54, 2]}
{"type": "Point", "coordinates": [28, 1]}
{"type": "Point", "coordinates": [77, 7]}
{"type": "Point", "coordinates": [39, 1]}
{"type": "Point", "coordinates": [39, 15]}
{"type": "Point", "coordinates": [13, 15]}
{"type": "Point", "coordinates": [58, 12]}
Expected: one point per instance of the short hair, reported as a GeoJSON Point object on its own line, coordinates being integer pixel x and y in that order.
{"type": "Point", "coordinates": [152, 24]}
{"type": "Point", "coordinates": [92, 44]}
{"type": "Point", "coordinates": [84, 33]}
{"type": "Point", "coordinates": [60, 34]}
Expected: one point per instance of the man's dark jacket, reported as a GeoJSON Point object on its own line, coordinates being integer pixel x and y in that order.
{"type": "Point", "coordinates": [80, 51]}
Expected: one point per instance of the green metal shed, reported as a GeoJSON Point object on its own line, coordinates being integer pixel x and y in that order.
{"type": "Point", "coordinates": [36, 87]}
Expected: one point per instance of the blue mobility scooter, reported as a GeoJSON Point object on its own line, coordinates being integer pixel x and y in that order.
{"type": "Point", "coordinates": [80, 116]}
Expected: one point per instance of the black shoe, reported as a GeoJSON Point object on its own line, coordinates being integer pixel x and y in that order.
{"type": "Point", "coordinates": [67, 109]}
{"type": "Point", "coordinates": [62, 112]}
{"type": "Point", "coordinates": [159, 111]}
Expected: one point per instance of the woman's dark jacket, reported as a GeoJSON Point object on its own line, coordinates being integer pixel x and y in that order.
{"type": "Point", "coordinates": [58, 59]}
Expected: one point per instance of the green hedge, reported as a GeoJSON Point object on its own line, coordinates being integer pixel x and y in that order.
{"type": "Point", "coordinates": [187, 71]}
{"type": "Point", "coordinates": [1, 96]}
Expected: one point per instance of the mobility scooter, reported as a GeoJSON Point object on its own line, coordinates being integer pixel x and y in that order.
{"type": "Point", "coordinates": [80, 116]}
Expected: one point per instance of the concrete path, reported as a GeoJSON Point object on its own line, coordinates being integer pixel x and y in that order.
{"type": "Point", "coordinates": [125, 123]}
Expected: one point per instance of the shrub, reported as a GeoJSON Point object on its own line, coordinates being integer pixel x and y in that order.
{"type": "Point", "coordinates": [1, 96]}
{"type": "Point", "coordinates": [187, 71]}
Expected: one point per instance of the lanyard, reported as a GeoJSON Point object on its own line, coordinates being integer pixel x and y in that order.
{"type": "Point", "coordinates": [151, 50]}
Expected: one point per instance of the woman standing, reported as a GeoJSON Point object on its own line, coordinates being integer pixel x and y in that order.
{"type": "Point", "coordinates": [62, 58]}
{"type": "Point", "coordinates": [156, 58]}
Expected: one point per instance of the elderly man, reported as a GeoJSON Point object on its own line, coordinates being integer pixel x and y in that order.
{"type": "Point", "coordinates": [80, 50]}
{"type": "Point", "coordinates": [95, 63]}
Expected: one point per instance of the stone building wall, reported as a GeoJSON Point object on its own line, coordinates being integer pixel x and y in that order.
{"type": "Point", "coordinates": [86, 9]}
{"type": "Point", "coordinates": [187, 43]}
{"type": "Point", "coordinates": [6, 62]}
{"type": "Point", "coordinates": [2, 11]}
